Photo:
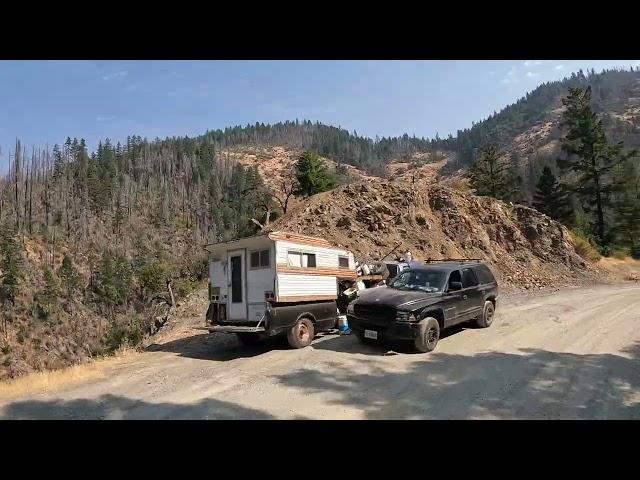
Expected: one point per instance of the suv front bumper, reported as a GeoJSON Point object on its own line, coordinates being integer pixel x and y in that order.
{"type": "Point", "coordinates": [394, 330]}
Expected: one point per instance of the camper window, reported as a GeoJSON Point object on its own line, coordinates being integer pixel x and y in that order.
{"type": "Point", "coordinates": [343, 262]}
{"type": "Point", "coordinates": [259, 259]}
{"type": "Point", "coordinates": [298, 259]}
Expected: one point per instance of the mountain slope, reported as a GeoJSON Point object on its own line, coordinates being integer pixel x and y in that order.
{"type": "Point", "coordinates": [525, 248]}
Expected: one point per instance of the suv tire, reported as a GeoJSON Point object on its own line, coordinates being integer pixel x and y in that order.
{"type": "Point", "coordinates": [486, 319]}
{"type": "Point", "coordinates": [428, 335]}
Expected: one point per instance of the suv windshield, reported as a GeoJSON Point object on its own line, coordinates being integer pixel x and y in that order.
{"type": "Point", "coordinates": [424, 280]}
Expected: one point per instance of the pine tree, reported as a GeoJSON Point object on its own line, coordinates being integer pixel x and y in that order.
{"type": "Point", "coordinates": [46, 299]}
{"type": "Point", "coordinates": [68, 276]}
{"type": "Point", "coordinates": [114, 280]}
{"type": "Point", "coordinates": [10, 265]}
{"type": "Point", "coordinates": [592, 158]}
{"type": "Point", "coordinates": [492, 174]}
{"type": "Point", "coordinates": [312, 175]}
{"type": "Point", "coordinates": [550, 197]}
{"type": "Point", "coordinates": [627, 208]}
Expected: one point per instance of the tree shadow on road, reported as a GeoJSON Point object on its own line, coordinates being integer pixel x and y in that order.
{"type": "Point", "coordinates": [525, 385]}
{"type": "Point", "coordinates": [112, 407]}
{"type": "Point", "coordinates": [220, 347]}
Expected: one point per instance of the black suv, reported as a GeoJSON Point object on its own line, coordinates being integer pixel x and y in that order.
{"type": "Point", "coordinates": [423, 300]}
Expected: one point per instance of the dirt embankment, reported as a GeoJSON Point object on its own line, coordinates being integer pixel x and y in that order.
{"type": "Point", "coordinates": [524, 247]}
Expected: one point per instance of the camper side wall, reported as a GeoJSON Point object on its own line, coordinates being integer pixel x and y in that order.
{"type": "Point", "coordinates": [308, 273]}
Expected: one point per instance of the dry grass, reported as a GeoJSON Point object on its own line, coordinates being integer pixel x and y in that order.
{"type": "Point", "coordinates": [41, 382]}
{"type": "Point", "coordinates": [585, 249]}
{"type": "Point", "coordinates": [626, 269]}
{"type": "Point", "coordinates": [459, 184]}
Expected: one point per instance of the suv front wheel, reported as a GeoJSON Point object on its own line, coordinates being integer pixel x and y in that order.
{"type": "Point", "coordinates": [428, 335]}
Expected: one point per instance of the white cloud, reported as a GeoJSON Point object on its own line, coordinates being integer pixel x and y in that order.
{"type": "Point", "coordinates": [133, 87]}
{"type": "Point", "coordinates": [492, 72]}
{"type": "Point", "coordinates": [532, 74]}
{"type": "Point", "coordinates": [559, 67]}
{"type": "Point", "coordinates": [532, 63]}
{"type": "Point", "coordinates": [105, 118]}
{"type": "Point", "coordinates": [109, 76]}
{"type": "Point", "coordinates": [511, 72]}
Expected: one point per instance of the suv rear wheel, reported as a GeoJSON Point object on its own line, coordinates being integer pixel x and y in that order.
{"type": "Point", "coordinates": [486, 319]}
{"type": "Point", "coordinates": [428, 335]}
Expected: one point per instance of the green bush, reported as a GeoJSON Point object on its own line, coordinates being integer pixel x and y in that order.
{"type": "Point", "coordinates": [185, 286]}
{"type": "Point", "coordinates": [121, 335]}
{"type": "Point", "coordinates": [152, 276]}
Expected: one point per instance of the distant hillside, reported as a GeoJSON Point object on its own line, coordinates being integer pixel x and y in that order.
{"type": "Point", "coordinates": [530, 130]}
{"type": "Point", "coordinates": [616, 95]}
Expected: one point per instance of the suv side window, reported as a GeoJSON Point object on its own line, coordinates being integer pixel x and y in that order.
{"type": "Point", "coordinates": [484, 274]}
{"type": "Point", "coordinates": [469, 278]}
{"type": "Point", "coordinates": [454, 277]}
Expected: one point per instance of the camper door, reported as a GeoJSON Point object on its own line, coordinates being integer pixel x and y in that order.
{"type": "Point", "coordinates": [237, 299]}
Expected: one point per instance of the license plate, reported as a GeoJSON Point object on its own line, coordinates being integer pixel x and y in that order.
{"type": "Point", "coordinates": [371, 334]}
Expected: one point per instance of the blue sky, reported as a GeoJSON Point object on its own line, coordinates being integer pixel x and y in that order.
{"type": "Point", "coordinates": [46, 101]}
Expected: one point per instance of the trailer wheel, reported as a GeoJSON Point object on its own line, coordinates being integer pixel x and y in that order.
{"type": "Point", "coordinates": [301, 334]}
{"type": "Point", "coordinates": [248, 338]}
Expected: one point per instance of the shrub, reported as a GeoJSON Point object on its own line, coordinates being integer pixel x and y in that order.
{"type": "Point", "coordinates": [620, 253]}
{"type": "Point", "coordinates": [121, 335]}
{"type": "Point", "coordinates": [584, 248]}
{"type": "Point", "coordinates": [184, 287]}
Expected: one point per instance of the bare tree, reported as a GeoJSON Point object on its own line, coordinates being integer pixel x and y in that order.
{"type": "Point", "coordinates": [287, 186]}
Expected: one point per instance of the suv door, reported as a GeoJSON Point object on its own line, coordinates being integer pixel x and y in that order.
{"type": "Point", "coordinates": [452, 303]}
{"type": "Point", "coordinates": [472, 296]}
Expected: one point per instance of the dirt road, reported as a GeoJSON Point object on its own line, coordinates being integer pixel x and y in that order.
{"type": "Point", "coordinates": [569, 354]}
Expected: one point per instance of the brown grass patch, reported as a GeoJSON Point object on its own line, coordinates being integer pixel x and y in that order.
{"type": "Point", "coordinates": [585, 249]}
{"type": "Point", "coordinates": [46, 381]}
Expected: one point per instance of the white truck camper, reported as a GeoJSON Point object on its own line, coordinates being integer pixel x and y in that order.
{"type": "Point", "coordinates": [276, 283]}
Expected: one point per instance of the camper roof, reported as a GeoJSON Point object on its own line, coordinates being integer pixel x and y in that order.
{"type": "Point", "coordinates": [282, 236]}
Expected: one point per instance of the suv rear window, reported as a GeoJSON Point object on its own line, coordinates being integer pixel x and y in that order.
{"type": "Point", "coordinates": [469, 278]}
{"type": "Point", "coordinates": [484, 274]}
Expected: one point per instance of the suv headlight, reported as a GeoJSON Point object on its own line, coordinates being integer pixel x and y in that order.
{"type": "Point", "coordinates": [405, 317]}
{"type": "Point", "coordinates": [350, 308]}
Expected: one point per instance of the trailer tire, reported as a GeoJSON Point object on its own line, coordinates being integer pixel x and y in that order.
{"type": "Point", "coordinates": [301, 333]}
{"type": "Point", "coordinates": [248, 338]}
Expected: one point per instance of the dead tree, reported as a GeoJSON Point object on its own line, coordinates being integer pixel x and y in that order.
{"type": "Point", "coordinates": [287, 188]}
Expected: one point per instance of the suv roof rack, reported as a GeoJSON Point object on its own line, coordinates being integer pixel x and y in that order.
{"type": "Point", "coordinates": [457, 260]}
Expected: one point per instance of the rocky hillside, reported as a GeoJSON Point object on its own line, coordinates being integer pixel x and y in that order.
{"type": "Point", "coordinates": [525, 248]}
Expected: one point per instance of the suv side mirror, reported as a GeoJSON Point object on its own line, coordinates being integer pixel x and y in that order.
{"type": "Point", "coordinates": [453, 286]}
